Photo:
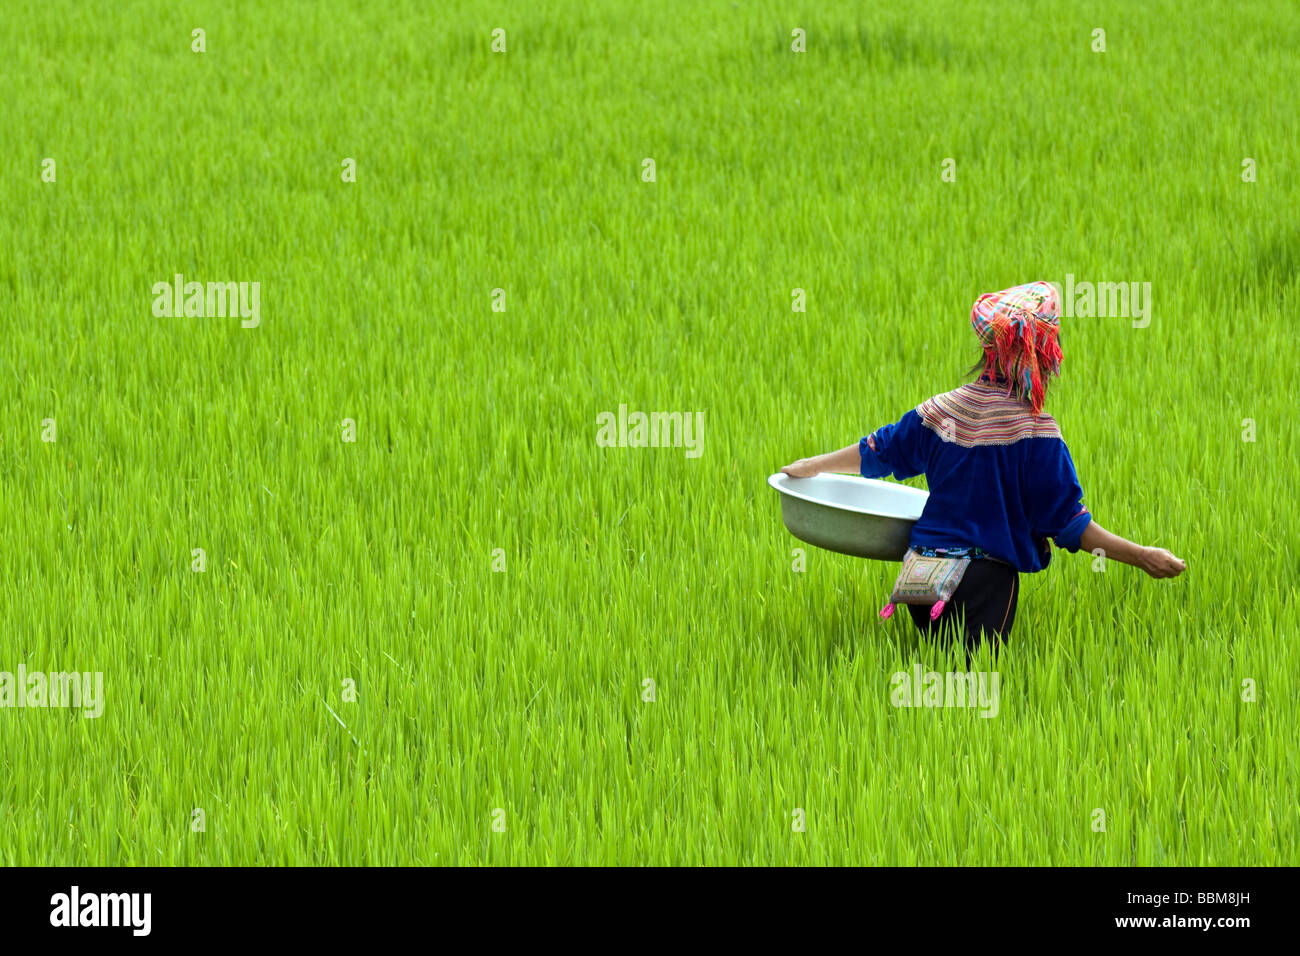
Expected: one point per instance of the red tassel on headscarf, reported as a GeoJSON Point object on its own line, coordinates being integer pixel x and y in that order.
{"type": "Point", "coordinates": [1020, 328]}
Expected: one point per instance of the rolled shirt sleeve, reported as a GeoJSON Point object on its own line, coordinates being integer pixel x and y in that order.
{"type": "Point", "coordinates": [1056, 506]}
{"type": "Point", "coordinates": [900, 449]}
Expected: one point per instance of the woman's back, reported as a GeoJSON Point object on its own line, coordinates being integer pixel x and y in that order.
{"type": "Point", "coordinates": [1000, 478]}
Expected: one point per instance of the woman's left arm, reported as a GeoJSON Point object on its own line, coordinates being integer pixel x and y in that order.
{"type": "Point", "coordinates": [845, 461]}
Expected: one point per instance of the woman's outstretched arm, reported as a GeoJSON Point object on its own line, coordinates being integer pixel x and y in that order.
{"type": "Point", "coordinates": [846, 461]}
{"type": "Point", "coordinates": [1156, 562]}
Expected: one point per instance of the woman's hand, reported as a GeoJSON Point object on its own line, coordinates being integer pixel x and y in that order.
{"type": "Point", "coordinates": [1160, 563]}
{"type": "Point", "coordinates": [803, 468]}
{"type": "Point", "coordinates": [1156, 562]}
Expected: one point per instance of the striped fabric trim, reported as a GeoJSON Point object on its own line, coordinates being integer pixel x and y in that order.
{"type": "Point", "coordinates": [977, 414]}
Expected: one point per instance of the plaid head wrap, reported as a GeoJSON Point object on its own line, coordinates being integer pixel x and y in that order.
{"type": "Point", "coordinates": [1020, 331]}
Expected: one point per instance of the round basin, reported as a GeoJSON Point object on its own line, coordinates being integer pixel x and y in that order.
{"type": "Point", "coordinates": [859, 516]}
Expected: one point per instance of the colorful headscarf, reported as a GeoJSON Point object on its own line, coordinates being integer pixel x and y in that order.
{"type": "Point", "coordinates": [1020, 331]}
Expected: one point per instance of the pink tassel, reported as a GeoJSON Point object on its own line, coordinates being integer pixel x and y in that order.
{"type": "Point", "coordinates": [887, 610]}
{"type": "Point", "coordinates": [936, 611]}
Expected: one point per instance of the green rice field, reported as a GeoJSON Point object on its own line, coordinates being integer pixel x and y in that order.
{"type": "Point", "coordinates": [364, 587]}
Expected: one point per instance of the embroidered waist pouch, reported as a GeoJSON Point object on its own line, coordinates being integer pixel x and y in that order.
{"type": "Point", "coordinates": [926, 579]}
{"type": "Point", "coordinates": [930, 576]}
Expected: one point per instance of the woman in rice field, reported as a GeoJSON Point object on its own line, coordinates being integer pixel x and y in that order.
{"type": "Point", "coordinates": [1000, 476]}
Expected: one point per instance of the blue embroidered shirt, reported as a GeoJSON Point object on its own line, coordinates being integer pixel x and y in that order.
{"type": "Point", "coordinates": [1000, 478]}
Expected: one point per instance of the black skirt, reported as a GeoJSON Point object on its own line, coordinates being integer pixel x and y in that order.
{"type": "Point", "coordinates": [984, 605]}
